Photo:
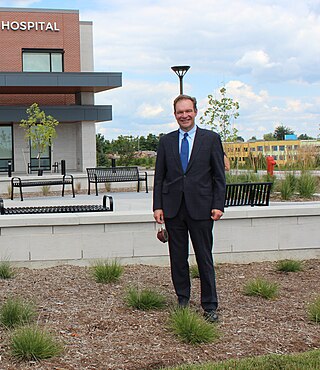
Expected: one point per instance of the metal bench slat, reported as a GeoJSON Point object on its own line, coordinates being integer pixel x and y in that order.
{"type": "Point", "coordinates": [253, 194]}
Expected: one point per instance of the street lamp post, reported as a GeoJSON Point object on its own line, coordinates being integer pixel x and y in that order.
{"type": "Point", "coordinates": [180, 71]}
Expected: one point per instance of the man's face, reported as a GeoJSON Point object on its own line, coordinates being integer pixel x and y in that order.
{"type": "Point", "coordinates": [185, 114]}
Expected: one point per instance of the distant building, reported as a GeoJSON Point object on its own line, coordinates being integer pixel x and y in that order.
{"type": "Point", "coordinates": [46, 57]}
{"type": "Point", "coordinates": [283, 151]}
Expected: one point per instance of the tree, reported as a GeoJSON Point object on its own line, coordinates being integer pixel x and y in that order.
{"type": "Point", "coordinates": [281, 131]}
{"type": "Point", "coordinates": [239, 138]}
{"type": "Point", "coordinates": [125, 147]}
{"type": "Point", "coordinates": [220, 116]}
{"type": "Point", "coordinates": [101, 149]}
{"type": "Point", "coordinates": [305, 137]}
{"type": "Point", "coordinates": [39, 129]}
{"type": "Point", "coordinates": [268, 137]}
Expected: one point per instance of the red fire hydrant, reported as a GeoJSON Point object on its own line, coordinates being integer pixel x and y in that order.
{"type": "Point", "coordinates": [270, 165]}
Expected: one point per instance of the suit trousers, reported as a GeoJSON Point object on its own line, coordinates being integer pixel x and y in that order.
{"type": "Point", "coordinates": [179, 228]}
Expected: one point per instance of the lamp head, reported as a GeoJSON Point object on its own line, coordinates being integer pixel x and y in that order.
{"type": "Point", "coordinates": [180, 70]}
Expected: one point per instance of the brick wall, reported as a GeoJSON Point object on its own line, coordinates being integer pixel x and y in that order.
{"type": "Point", "coordinates": [12, 42]}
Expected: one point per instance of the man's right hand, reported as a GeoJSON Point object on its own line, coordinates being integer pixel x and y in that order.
{"type": "Point", "coordinates": [158, 216]}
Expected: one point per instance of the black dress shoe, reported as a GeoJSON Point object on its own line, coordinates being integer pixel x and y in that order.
{"type": "Point", "coordinates": [211, 316]}
{"type": "Point", "coordinates": [183, 302]}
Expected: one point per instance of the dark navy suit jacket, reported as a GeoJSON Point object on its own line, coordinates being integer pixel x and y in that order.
{"type": "Point", "coordinates": [203, 185]}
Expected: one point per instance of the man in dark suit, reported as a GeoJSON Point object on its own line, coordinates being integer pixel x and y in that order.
{"type": "Point", "coordinates": [189, 193]}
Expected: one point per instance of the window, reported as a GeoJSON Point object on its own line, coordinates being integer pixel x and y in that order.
{"type": "Point", "coordinates": [45, 159]}
{"type": "Point", "coordinates": [42, 60]}
{"type": "Point", "coordinates": [6, 152]}
{"type": "Point", "coordinates": [281, 148]}
{"type": "Point", "coordinates": [275, 147]}
{"type": "Point", "coordinates": [260, 148]}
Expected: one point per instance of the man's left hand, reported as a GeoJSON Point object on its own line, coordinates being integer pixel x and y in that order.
{"type": "Point", "coordinates": [216, 214]}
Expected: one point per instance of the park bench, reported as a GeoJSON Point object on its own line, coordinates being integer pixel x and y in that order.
{"type": "Point", "coordinates": [46, 167]}
{"type": "Point", "coordinates": [115, 174]}
{"type": "Point", "coordinates": [248, 194]}
{"type": "Point", "coordinates": [59, 209]}
{"type": "Point", "coordinates": [17, 182]}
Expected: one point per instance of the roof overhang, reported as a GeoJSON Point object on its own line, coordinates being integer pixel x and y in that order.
{"type": "Point", "coordinates": [64, 113]}
{"type": "Point", "coordinates": [58, 82]}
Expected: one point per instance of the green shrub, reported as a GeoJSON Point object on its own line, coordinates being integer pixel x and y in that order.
{"type": "Point", "coordinates": [15, 312]}
{"type": "Point", "coordinates": [145, 299]}
{"type": "Point", "coordinates": [261, 287]}
{"type": "Point", "coordinates": [32, 343]}
{"type": "Point", "coordinates": [107, 271]}
{"type": "Point", "coordinates": [314, 310]}
{"type": "Point", "coordinates": [285, 190]}
{"type": "Point", "coordinates": [289, 266]}
{"type": "Point", "coordinates": [192, 328]}
{"type": "Point", "coordinates": [6, 270]}
{"type": "Point", "coordinates": [194, 272]}
{"type": "Point", "coordinates": [307, 185]}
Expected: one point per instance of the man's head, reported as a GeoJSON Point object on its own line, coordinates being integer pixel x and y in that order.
{"type": "Point", "coordinates": [185, 111]}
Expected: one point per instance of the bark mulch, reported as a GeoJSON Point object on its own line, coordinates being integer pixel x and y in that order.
{"type": "Point", "coordinates": [99, 331]}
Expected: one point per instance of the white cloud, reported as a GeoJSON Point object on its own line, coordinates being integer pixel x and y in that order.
{"type": "Point", "coordinates": [146, 110]}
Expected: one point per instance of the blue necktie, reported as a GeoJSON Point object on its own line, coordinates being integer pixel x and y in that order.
{"type": "Point", "coordinates": [184, 153]}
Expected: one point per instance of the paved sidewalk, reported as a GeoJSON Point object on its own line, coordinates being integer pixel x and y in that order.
{"type": "Point", "coordinates": [122, 201]}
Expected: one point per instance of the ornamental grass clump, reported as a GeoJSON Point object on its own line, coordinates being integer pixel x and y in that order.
{"type": "Point", "coordinates": [144, 299]}
{"type": "Point", "coordinates": [194, 272]}
{"type": "Point", "coordinates": [192, 328]}
{"type": "Point", "coordinates": [314, 310]}
{"type": "Point", "coordinates": [45, 190]}
{"type": "Point", "coordinates": [15, 312]}
{"type": "Point", "coordinates": [6, 270]}
{"type": "Point", "coordinates": [289, 266]}
{"type": "Point", "coordinates": [31, 343]}
{"type": "Point", "coordinates": [287, 187]}
{"type": "Point", "coordinates": [107, 271]}
{"type": "Point", "coordinates": [262, 288]}
{"type": "Point", "coordinates": [307, 185]}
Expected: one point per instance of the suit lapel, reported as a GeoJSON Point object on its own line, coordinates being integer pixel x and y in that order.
{"type": "Point", "coordinates": [175, 148]}
{"type": "Point", "coordinates": [196, 146]}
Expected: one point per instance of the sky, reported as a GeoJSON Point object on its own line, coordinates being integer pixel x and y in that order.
{"type": "Point", "coordinates": [266, 54]}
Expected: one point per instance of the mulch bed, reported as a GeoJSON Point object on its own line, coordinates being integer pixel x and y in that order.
{"type": "Point", "coordinates": [99, 331]}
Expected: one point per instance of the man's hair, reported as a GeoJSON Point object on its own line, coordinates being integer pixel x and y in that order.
{"type": "Point", "coordinates": [185, 97]}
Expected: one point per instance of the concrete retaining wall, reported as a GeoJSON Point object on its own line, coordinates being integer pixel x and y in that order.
{"type": "Point", "coordinates": [243, 235]}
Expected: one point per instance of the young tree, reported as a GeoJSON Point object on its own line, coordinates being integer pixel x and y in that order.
{"type": "Point", "coordinates": [39, 129]}
{"type": "Point", "coordinates": [220, 116]}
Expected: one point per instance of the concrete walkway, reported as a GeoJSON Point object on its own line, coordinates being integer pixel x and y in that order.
{"type": "Point", "coordinates": [123, 201]}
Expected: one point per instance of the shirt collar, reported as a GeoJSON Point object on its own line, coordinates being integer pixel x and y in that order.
{"type": "Point", "coordinates": [191, 133]}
